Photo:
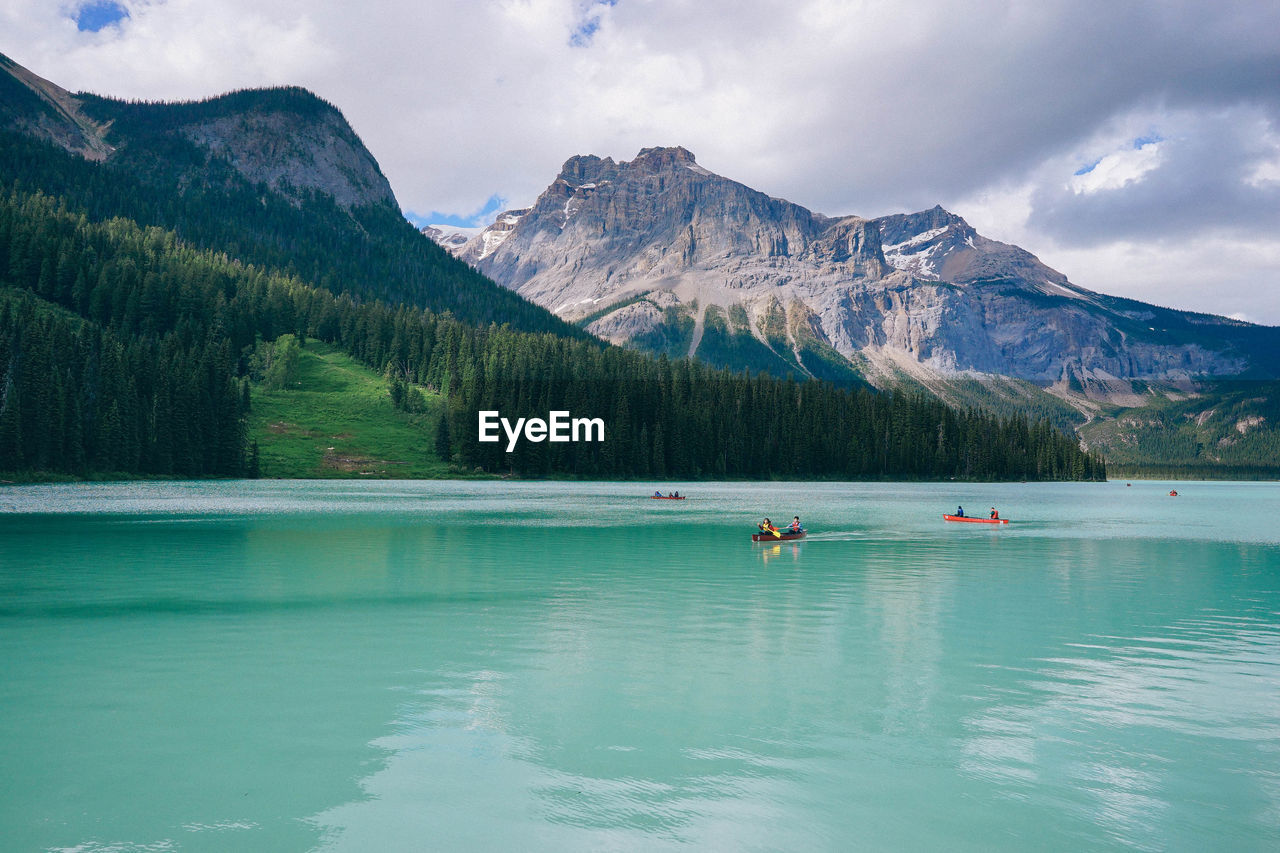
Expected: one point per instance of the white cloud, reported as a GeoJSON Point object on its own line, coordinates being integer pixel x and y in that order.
{"type": "Point", "coordinates": [1265, 171]}
{"type": "Point", "coordinates": [865, 106]}
{"type": "Point", "coordinates": [1117, 169]}
{"type": "Point", "coordinates": [1214, 275]}
{"type": "Point", "coordinates": [1179, 222]}
{"type": "Point", "coordinates": [169, 49]}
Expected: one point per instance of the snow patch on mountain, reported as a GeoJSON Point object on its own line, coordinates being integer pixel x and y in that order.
{"type": "Point", "coordinates": [452, 237]}
{"type": "Point", "coordinates": [490, 240]}
{"type": "Point", "coordinates": [475, 244]}
{"type": "Point", "coordinates": [920, 255]}
{"type": "Point", "coordinates": [918, 239]}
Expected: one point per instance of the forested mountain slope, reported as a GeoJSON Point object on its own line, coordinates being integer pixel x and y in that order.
{"type": "Point", "coordinates": [153, 257]}
{"type": "Point", "coordinates": [274, 177]}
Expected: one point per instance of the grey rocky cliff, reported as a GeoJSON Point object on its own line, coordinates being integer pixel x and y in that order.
{"type": "Point", "coordinates": [32, 105]}
{"type": "Point", "coordinates": [286, 138]}
{"type": "Point", "coordinates": [921, 295]}
{"type": "Point", "coordinates": [937, 245]}
{"type": "Point", "coordinates": [289, 152]}
{"type": "Point", "coordinates": [604, 230]}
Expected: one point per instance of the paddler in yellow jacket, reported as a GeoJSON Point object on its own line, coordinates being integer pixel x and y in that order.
{"type": "Point", "coordinates": [766, 526]}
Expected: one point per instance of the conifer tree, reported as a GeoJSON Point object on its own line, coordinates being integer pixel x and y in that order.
{"type": "Point", "coordinates": [444, 447]}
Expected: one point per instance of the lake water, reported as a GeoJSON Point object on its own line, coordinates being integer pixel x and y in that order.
{"type": "Point", "coordinates": [364, 666]}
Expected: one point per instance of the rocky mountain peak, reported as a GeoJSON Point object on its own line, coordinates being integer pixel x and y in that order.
{"type": "Point", "coordinates": [586, 168]}
{"type": "Point", "coordinates": [603, 223]}
{"type": "Point", "coordinates": [660, 253]}
{"type": "Point", "coordinates": [938, 245]}
{"type": "Point", "coordinates": [289, 139]}
{"type": "Point", "coordinates": [285, 137]}
{"type": "Point", "coordinates": [654, 160]}
{"type": "Point", "coordinates": [671, 154]}
{"type": "Point", "coordinates": [902, 227]}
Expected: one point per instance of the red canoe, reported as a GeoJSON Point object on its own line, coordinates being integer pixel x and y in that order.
{"type": "Point", "coordinates": [769, 537]}
{"type": "Point", "coordinates": [667, 497]}
{"type": "Point", "coordinates": [975, 520]}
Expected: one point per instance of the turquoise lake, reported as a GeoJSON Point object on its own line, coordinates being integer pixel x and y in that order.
{"type": "Point", "coordinates": [454, 666]}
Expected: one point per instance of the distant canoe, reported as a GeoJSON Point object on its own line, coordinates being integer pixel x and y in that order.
{"type": "Point", "coordinates": [667, 497]}
{"type": "Point", "coordinates": [975, 520]}
{"type": "Point", "coordinates": [769, 537]}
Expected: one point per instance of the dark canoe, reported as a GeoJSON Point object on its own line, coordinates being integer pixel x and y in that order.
{"type": "Point", "coordinates": [769, 537]}
{"type": "Point", "coordinates": [975, 520]}
{"type": "Point", "coordinates": [667, 498]}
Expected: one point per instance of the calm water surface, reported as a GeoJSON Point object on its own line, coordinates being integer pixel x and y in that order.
{"type": "Point", "coordinates": [382, 666]}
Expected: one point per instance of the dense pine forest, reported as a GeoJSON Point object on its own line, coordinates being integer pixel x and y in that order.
{"type": "Point", "coordinates": [126, 349]}
{"type": "Point", "coordinates": [370, 251]}
{"type": "Point", "coordinates": [1225, 432]}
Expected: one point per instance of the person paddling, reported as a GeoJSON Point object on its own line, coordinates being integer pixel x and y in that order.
{"type": "Point", "coordinates": [959, 512]}
{"type": "Point", "coordinates": [766, 526]}
{"type": "Point", "coordinates": [794, 526]}
{"type": "Point", "coordinates": [994, 514]}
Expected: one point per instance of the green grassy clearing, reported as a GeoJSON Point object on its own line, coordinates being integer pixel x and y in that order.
{"type": "Point", "coordinates": [335, 419]}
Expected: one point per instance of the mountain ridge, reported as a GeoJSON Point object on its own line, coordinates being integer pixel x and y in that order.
{"type": "Point", "coordinates": [45, 110]}
{"type": "Point", "coordinates": [285, 137]}
{"type": "Point", "coordinates": [274, 177]}
{"type": "Point", "coordinates": [654, 251]}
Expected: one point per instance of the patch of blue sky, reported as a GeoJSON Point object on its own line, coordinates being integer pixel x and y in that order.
{"type": "Point", "coordinates": [589, 24]}
{"type": "Point", "coordinates": [1137, 145]}
{"type": "Point", "coordinates": [584, 33]}
{"type": "Point", "coordinates": [484, 216]}
{"type": "Point", "coordinates": [96, 16]}
{"type": "Point", "coordinates": [1084, 170]}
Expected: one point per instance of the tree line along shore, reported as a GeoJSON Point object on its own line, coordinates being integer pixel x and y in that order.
{"type": "Point", "coordinates": [126, 349]}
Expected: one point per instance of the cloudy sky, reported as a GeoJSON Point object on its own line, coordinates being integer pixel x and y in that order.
{"type": "Point", "coordinates": [1135, 146]}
